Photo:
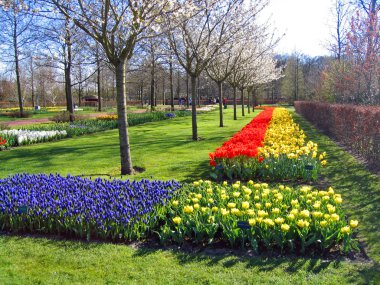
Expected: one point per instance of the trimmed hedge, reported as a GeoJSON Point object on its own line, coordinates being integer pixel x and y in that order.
{"type": "Point", "coordinates": [356, 127]}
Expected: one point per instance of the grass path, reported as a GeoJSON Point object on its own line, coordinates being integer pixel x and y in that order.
{"type": "Point", "coordinates": [165, 149]}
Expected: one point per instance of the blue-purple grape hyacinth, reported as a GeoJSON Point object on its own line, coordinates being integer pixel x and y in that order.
{"type": "Point", "coordinates": [82, 207]}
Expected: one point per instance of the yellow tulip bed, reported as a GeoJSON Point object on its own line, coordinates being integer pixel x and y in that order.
{"type": "Point", "coordinates": [106, 117]}
{"type": "Point", "coordinates": [286, 154]}
{"type": "Point", "coordinates": [259, 216]}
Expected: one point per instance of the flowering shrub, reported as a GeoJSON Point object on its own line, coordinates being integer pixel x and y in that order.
{"type": "Point", "coordinates": [271, 147]}
{"type": "Point", "coordinates": [82, 207]}
{"type": "Point", "coordinates": [2, 141]}
{"type": "Point", "coordinates": [260, 217]}
{"type": "Point", "coordinates": [23, 137]}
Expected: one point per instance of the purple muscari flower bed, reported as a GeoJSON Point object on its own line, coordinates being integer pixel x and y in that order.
{"type": "Point", "coordinates": [169, 115]}
{"type": "Point", "coordinates": [82, 207]}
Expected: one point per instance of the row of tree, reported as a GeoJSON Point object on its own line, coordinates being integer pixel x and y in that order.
{"type": "Point", "coordinates": [220, 38]}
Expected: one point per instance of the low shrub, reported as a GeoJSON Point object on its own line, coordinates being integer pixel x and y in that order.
{"type": "Point", "coordinates": [17, 114]}
{"type": "Point", "coordinates": [356, 127]}
{"type": "Point", "coordinates": [258, 216]}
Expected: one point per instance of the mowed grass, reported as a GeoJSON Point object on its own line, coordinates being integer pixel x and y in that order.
{"type": "Point", "coordinates": [166, 150]}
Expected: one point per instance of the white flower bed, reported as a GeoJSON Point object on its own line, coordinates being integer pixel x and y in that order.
{"type": "Point", "coordinates": [24, 137]}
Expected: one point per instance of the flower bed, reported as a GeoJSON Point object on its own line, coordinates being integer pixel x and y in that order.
{"type": "Point", "coordinates": [23, 137]}
{"type": "Point", "coordinates": [260, 217]}
{"type": "Point", "coordinates": [42, 133]}
{"type": "Point", "coordinates": [81, 207]}
{"type": "Point", "coordinates": [238, 156]}
{"type": "Point", "coordinates": [272, 147]}
{"type": "Point", "coordinates": [286, 155]}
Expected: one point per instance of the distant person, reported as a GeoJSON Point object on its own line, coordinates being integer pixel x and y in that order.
{"type": "Point", "coordinates": [225, 103]}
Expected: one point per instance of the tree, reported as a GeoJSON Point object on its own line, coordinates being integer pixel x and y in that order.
{"type": "Point", "coordinates": [363, 49]}
{"type": "Point", "coordinates": [196, 41]}
{"type": "Point", "coordinates": [293, 84]}
{"type": "Point", "coordinates": [220, 68]}
{"type": "Point", "coordinates": [341, 13]}
{"type": "Point", "coordinates": [117, 26]}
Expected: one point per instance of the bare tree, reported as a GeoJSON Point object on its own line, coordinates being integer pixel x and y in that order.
{"type": "Point", "coordinates": [341, 12]}
{"type": "Point", "coordinates": [16, 35]}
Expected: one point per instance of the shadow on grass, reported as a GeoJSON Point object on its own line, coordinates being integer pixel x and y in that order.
{"type": "Point", "coordinates": [368, 274]}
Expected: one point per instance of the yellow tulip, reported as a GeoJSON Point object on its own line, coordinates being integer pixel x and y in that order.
{"type": "Point", "coordinates": [177, 220]}
{"type": "Point", "coordinates": [188, 209]}
{"type": "Point", "coordinates": [345, 230]}
{"type": "Point", "coordinates": [354, 223]}
{"type": "Point", "coordinates": [334, 217]}
{"type": "Point", "coordinates": [245, 205]}
{"type": "Point", "coordinates": [285, 227]}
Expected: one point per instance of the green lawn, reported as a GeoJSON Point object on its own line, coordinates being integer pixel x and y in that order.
{"type": "Point", "coordinates": [166, 151]}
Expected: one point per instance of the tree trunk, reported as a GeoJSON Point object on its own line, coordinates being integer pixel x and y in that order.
{"type": "Point", "coordinates": [152, 86]}
{"type": "Point", "coordinates": [220, 95]}
{"type": "Point", "coordinates": [198, 93]}
{"type": "Point", "coordinates": [194, 108]}
{"type": "Point", "coordinates": [18, 81]}
{"type": "Point", "coordinates": [141, 90]}
{"type": "Point", "coordinates": [156, 91]}
{"type": "Point", "coordinates": [242, 102]}
{"type": "Point", "coordinates": [98, 79]}
{"type": "Point", "coordinates": [248, 103]}
{"type": "Point", "coordinates": [69, 96]}
{"type": "Point", "coordinates": [187, 91]}
{"type": "Point", "coordinates": [80, 87]}
{"type": "Point", "coordinates": [171, 84]}
{"type": "Point", "coordinates": [99, 89]}
{"type": "Point", "coordinates": [178, 91]}
{"type": "Point", "coordinates": [234, 99]}
{"type": "Point", "coordinates": [163, 91]}
{"type": "Point", "coordinates": [253, 100]}
{"type": "Point", "coordinates": [32, 81]}
{"type": "Point", "coordinates": [121, 100]}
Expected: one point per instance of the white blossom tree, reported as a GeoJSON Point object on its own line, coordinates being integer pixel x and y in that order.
{"type": "Point", "coordinates": [118, 25]}
{"type": "Point", "coordinates": [197, 40]}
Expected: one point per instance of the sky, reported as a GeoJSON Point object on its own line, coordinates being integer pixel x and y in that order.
{"type": "Point", "coordinates": [307, 25]}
